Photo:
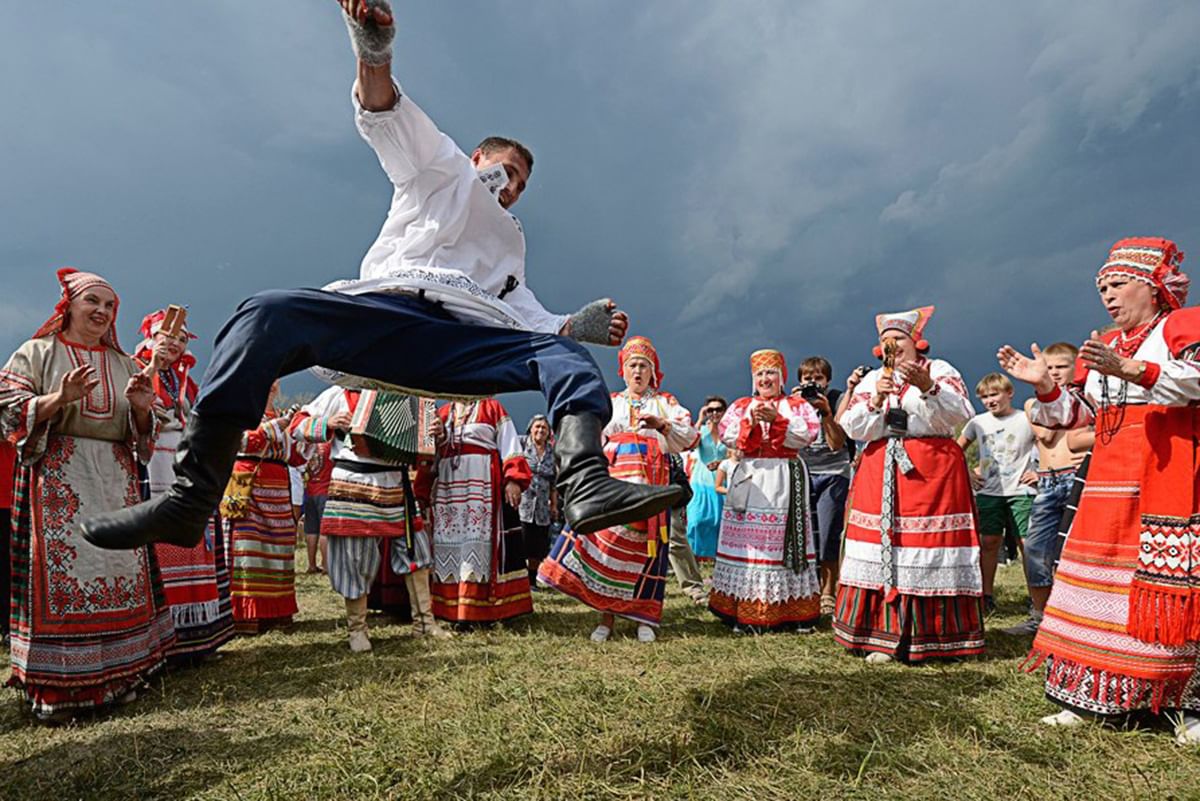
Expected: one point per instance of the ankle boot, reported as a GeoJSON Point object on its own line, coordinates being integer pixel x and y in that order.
{"type": "Point", "coordinates": [592, 499]}
{"type": "Point", "coordinates": [356, 623]}
{"type": "Point", "coordinates": [419, 597]}
{"type": "Point", "coordinates": [179, 516]}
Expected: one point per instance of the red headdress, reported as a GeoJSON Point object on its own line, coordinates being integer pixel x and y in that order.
{"type": "Point", "coordinates": [185, 386]}
{"type": "Point", "coordinates": [640, 348]}
{"type": "Point", "coordinates": [768, 359]}
{"type": "Point", "coordinates": [910, 323]}
{"type": "Point", "coordinates": [1152, 261]}
{"type": "Point", "coordinates": [74, 283]}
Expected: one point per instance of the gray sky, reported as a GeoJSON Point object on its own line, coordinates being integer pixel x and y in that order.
{"type": "Point", "coordinates": [737, 175]}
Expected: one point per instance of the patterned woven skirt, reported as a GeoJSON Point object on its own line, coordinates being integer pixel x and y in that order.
{"type": "Point", "coordinates": [479, 573]}
{"type": "Point", "coordinates": [1093, 663]}
{"type": "Point", "coordinates": [88, 624]}
{"type": "Point", "coordinates": [195, 580]}
{"type": "Point", "coordinates": [934, 607]}
{"type": "Point", "coordinates": [262, 549]}
{"type": "Point", "coordinates": [752, 585]}
{"type": "Point", "coordinates": [196, 587]}
{"type": "Point", "coordinates": [615, 570]}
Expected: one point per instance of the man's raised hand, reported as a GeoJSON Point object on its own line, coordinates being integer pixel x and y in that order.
{"type": "Point", "coordinates": [357, 10]}
{"type": "Point", "coordinates": [371, 29]}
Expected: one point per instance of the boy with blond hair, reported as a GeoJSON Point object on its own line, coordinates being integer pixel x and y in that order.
{"type": "Point", "coordinates": [1004, 479]}
{"type": "Point", "coordinates": [1057, 465]}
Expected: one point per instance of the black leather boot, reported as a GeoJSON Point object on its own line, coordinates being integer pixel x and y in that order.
{"type": "Point", "coordinates": [180, 515]}
{"type": "Point", "coordinates": [592, 499]}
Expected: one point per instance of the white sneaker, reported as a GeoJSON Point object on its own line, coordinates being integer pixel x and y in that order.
{"type": "Point", "coordinates": [803, 629]}
{"type": "Point", "coordinates": [1187, 731]}
{"type": "Point", "coordinates": [601, 633]}
{"type": "Point", "coordinates": [878, 658]}
{"type": "Point", "coordinates": [1064, 718]}
{"type": "Point", "coordinates": [645, 633]}
{"type": "Point", "coordinates": [359, 642]}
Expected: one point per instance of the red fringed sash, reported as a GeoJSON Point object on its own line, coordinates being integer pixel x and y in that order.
{"type": "Point", "coordinates": [1164, 598]}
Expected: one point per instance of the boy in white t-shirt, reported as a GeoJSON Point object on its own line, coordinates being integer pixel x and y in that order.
{"type": "Point", "coordinates": [1005, 478]}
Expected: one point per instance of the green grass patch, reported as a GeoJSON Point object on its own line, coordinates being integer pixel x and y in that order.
{"type": "Point", "coordinates": [536, 711]}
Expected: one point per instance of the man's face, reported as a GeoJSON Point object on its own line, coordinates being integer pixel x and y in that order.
{"type": "Point", "coordinates": [1061, 367]}
{"type": "Point", "coordinates": [514, 165]}
{"type": "Point", "coordinates": [996, 400]}
{"type": "Point", "coordinates": [811, 375]}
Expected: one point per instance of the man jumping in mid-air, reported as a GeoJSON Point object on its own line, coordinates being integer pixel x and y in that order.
{"type": "Point", "coordinates": [441, 307]}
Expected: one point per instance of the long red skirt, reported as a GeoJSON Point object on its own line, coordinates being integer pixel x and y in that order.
{"type": "Point", "coordinates": [1095, 664]}
{"type": "Point", "coordinates": [934, 609]}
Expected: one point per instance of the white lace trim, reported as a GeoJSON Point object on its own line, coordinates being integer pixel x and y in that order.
{"type": "Point", "coordinates": [765, 583]}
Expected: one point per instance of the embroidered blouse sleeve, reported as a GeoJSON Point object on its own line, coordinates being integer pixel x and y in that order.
{"type": "Point", "coordinates": [1176, 381]}
{"type": "Point", "coordinates": [736, 429]}
{"type": "Point", "coordinates": [508, 443]}
{"type": "Point", "coordinates": [858, 420]}
{"type": "Point", "coordinates": [680, 434]}
{"type": "Point", "coordinates": [21, 382]}
{"type": "Point", "coordinates": [802, 424]}
{"type": "Point", "coordinates": [310, 425]}
{"type": "Point", "coordinates": [946, 406]}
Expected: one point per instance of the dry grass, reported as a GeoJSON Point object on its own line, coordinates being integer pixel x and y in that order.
{"type": "Point", "coordinates": [534, 711]}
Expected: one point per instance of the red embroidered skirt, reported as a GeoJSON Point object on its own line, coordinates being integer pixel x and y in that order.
{"type": "Point", "coordinates": [1094, 663]}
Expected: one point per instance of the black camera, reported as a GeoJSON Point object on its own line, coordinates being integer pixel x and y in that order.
{"type": "Point", "coordinates": [896, 421]}
{"type": "Point", "coordinates": [810, 391]}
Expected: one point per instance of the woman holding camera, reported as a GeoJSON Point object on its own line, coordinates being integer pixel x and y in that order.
{"type": "Point", "coordinates": [910, 586]}
{"type": "Point", "coordinates": [766, 571]}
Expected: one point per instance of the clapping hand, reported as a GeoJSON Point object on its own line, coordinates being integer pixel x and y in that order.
{"type": "Point", "coordinates": [77, 383]}
{"type": "Point", "coordinates": [916, 374]}
{"type": "Point", "coordinates": [764, 413]}
{"type": "Point", "coordinates": [140, 393]}
{"type": "Point", "coordinates": [652, 421]}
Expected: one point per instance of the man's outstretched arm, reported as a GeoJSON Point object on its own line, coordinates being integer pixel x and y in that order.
{"type": "Point", "coordinates": [372, 29]}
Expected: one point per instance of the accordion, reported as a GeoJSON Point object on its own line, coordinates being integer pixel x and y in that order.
{"type": "Point", "coordinates": [393, 427]}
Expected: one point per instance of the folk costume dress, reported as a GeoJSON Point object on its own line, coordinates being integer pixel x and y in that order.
{"type": "Point", "coordinates": [910, 583]}
{"type": "Point", "coordinates": [705, 508]}
{"type": "Point", "coordinates": [261, 542]}
{"type": "Point", "coordinates": [766, 572]}
{"type": "Point", "coordinates": [479, 567]}
{"type": "Point", "coordinates": [622, 570]}
{"type": "Point", "coordinates": [195, 580]}
{"type": "Point", "coordinates": [1122, 627]}
{"type": "Point", "coordinates": [370, 507]}
{"type": "Point", "coordinates": [88, 624]}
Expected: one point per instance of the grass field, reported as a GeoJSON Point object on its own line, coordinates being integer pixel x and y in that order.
{"type": "Point", "coordinates": [535, 711]}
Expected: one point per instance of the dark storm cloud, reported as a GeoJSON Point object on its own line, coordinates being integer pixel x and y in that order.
{"type": "Point", "coordinates": [737, 175]}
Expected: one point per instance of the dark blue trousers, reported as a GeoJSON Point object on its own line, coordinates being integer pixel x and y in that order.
{"type": "Point", "coordinates": [399, 339]}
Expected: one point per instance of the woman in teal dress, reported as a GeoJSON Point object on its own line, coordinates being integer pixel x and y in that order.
{"type": "Point", "coordinates": [704, 510]}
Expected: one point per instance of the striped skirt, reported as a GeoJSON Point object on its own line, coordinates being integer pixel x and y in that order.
{"type": "Point", "coordinates": [934, 608]}
{"type": "Point", "coordinates": [262, 549]}
{"type": "Point", "coordinates": [195, 580]}
{"type": "Point", "coordinates": [1094, 664]}
{"type": "Point", "coordinates": [619, 570]}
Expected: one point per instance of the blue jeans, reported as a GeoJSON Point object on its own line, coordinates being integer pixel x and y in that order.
{"type": "Point", "coordinates": [1042, 544]}
{"type": "Point", "coordinates": [397, 339]}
